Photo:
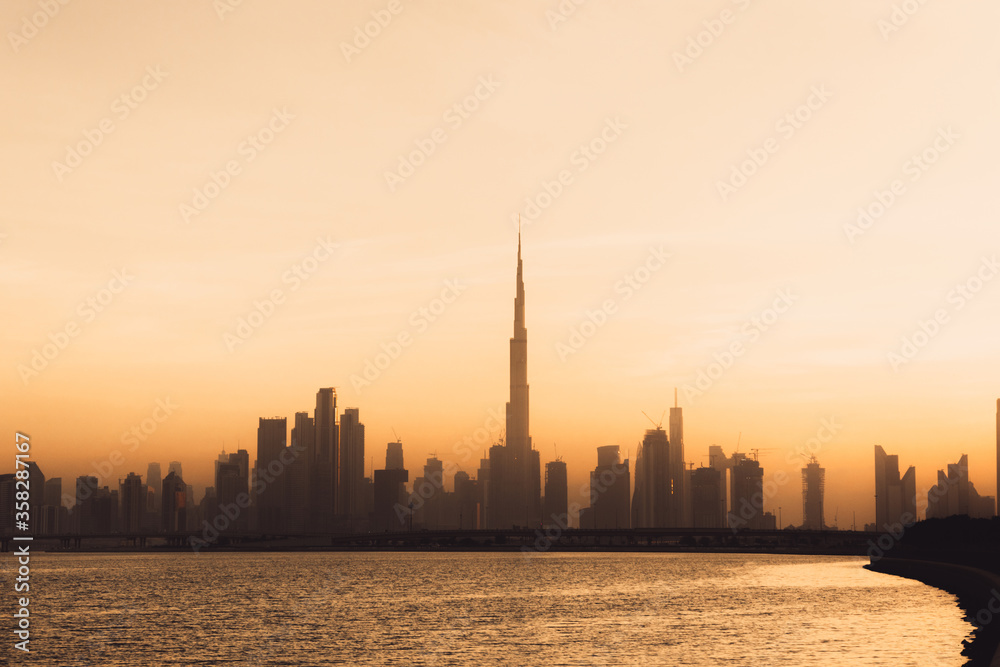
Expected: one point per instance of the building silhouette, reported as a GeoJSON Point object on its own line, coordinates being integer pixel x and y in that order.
{"type": "Point", "coordinates": [323, 460]}
{"type": "Point", "coordinates": [515, 466]}
{"type": "Point", "coordinates": [173, 509]}
{"type": "Point", "coordinates": [955, 495]}
{"type": "Point", "coordinates": [708, 498]}
{"type": "Point", "coordinates": [609, 492]}
{"type": "Point", "coordinates": [556, 497]}
{"type": "Point", "coordinates": [133, 498]}
{"type": "Point", "coordinates": [394, 456]}
{"type": "Point", "coordinates": [464, 504]}
{"type": "Point", "coordinates": [271, 437]}
{"type": "Point", "coordinates": [680, 504]}
{"type": "Point", "coordinates": [653, 501]}
{"type": "Point", "coordinates": [352, 465]}
{"type": "Point", "coordinates": [232, 489]}
{"type": "Point", "coordinates": [55, 515]}
{"type": "Point", "coordinates": [154, 481]}
{"type": "Point", "coordinates": [895, 496]}
{"type": "Point", "coordinates": [391, 505]}
{"type": "Point", "coordinates": [998, 460]}
{"type": "Point", "coordinates": [428, 497]}
{"type": "Point", "coordinates": [746, 494]}
{"type": "Point", "coordinates": [483, 490]}
{"type": "Point", "coordinates": [813, 487]}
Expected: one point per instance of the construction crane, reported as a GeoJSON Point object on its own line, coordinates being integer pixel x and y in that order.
{"type": "Point", "coordinates": [395, 434]}
{"type": "Point", "coordinates": [757, 450]}
{"type": "Point", "coordinates": [658, 426]}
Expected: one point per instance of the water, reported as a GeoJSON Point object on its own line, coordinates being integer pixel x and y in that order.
{"type": "Point", "coordinates": [483, 608]}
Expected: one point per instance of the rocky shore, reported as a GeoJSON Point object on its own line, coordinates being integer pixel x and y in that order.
{"type": "Point", "coordinates": [978, 592]}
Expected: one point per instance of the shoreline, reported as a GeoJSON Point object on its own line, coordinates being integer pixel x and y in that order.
{"type": "Point", "coordinates": [974, 587]}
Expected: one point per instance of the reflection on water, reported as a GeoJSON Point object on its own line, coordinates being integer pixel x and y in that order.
{"type": "Point", "coordinates": [484, 608]}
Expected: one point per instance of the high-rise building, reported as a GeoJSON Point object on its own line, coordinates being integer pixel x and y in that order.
{"type": "Point", "coordinates": [746, 494]}
{"type": "Point", "coordinates": [53, 520]}
{"type": "Point", "coordinates": [390, 510]}
{"type": "Point", "coordinates": [271, 435]}
{"type": "Point", "coordinates": [133, 499]}
{"type": "Point", "coordinates": [556, 497]}
{"type": "Point", "coordinates": [483, 490]}
{"type": "Point", "coordinates": [813, 486]}
{"type": "Point", "coordinates": [609, 491]}
{"type": "Point", "coordinates": [232, 491]}
{"type": "Point", "coordinates": [895, 496]}
{"type": "Point", "coordinates": [154, 479]}
{"type": "Point", "coordinates": [175, 467]}
{"type": "Point", "coordinates": [173, 509]}
{"type": "Point", "coordinates": [84, 515]}
{"type": "Point", "coordinates": [515, 484]}
{"type": "Point", "coordinates": [352, 464]}
{"type": "Point", "coordinates": [394, 456]}
{"type": "Point", "coordinates": [680, 502]}
{"type": "Point", "coordinates": [955, 495]}
{"type": "Point", "coordinates": [428, 495]}
{"type": "Point", "coordinates": [324, 460]}
{"type": "Point", "coordinates": [652, 499]}
{"type": "Point", "coordinates": [298, 493]}
{"type": "Point", "coordinates": [465, 505]}
{"type": "Point", "coordinates": [708, 498]}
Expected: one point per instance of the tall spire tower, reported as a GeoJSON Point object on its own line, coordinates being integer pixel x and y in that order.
{"type": "Point", "coordinates": [515, 468]}
{"type": "Point", "coordinates": [517, 407]}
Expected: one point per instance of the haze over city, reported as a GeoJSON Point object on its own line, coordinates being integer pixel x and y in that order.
{"type": "Point", "coordinates": [619, 157]}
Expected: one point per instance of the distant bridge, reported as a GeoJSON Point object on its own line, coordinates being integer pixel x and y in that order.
{"type": "Point", "coordinates": [537, 539]}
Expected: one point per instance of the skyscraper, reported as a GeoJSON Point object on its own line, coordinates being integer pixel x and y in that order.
{"type": "Point", "coordinates": [174, 507]}
{"type": "Point", "coordinates": [271, 435]}
{"type": "Point", "coordinates": [323, 460]}
{"type": "Point", "coordinates": [652, 500]}
{"type": "Point", "coordinates": [680, 502]}
{"type": "Point", "coordinates": [556, 512]}
{"type": "Point", "coordinates": [708, 498]}
{"type": "Point", "coordinates": [609, 491]}
{"type": "Point", "coordinates": [133, 499]}
{"type": "Point", "coordinates": [955, 495]}
{"type": "Point", "coordinates": [813, 485]}
{"type": "Point", "coordinates": [391, 509]}
{"type": "Point", "coordinates": [154, 480]}
{"type": "Point", "coordinates": [352, 464]}
{"type": "Point", "coordinates": [394, 456]}
{"type": "Point", "coordinates": [895, 497]}
{"type": "Point", "coordinates": [515, 483]}
{"type": "Point", "coordinates": [175, 466]}
{"type": "Point", "coordinates": [746, 494]}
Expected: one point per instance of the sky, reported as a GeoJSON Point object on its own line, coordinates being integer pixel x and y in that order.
{"type": "Point", "coordinates": [782, 209]}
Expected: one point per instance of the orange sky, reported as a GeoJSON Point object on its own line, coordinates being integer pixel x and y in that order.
{"type": "Point", "coordinates": [249, 142]}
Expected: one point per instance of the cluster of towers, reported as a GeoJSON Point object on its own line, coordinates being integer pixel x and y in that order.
{"type": "Point", "coordinates": [314, 482]}
{"type": "Point", "coordinates": [898, 504]}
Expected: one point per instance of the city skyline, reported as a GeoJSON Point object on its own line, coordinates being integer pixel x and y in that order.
{"type": "Point", "coordinates": [160, 299]}
{"type": "Point", "coordinates": [314, 480]}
